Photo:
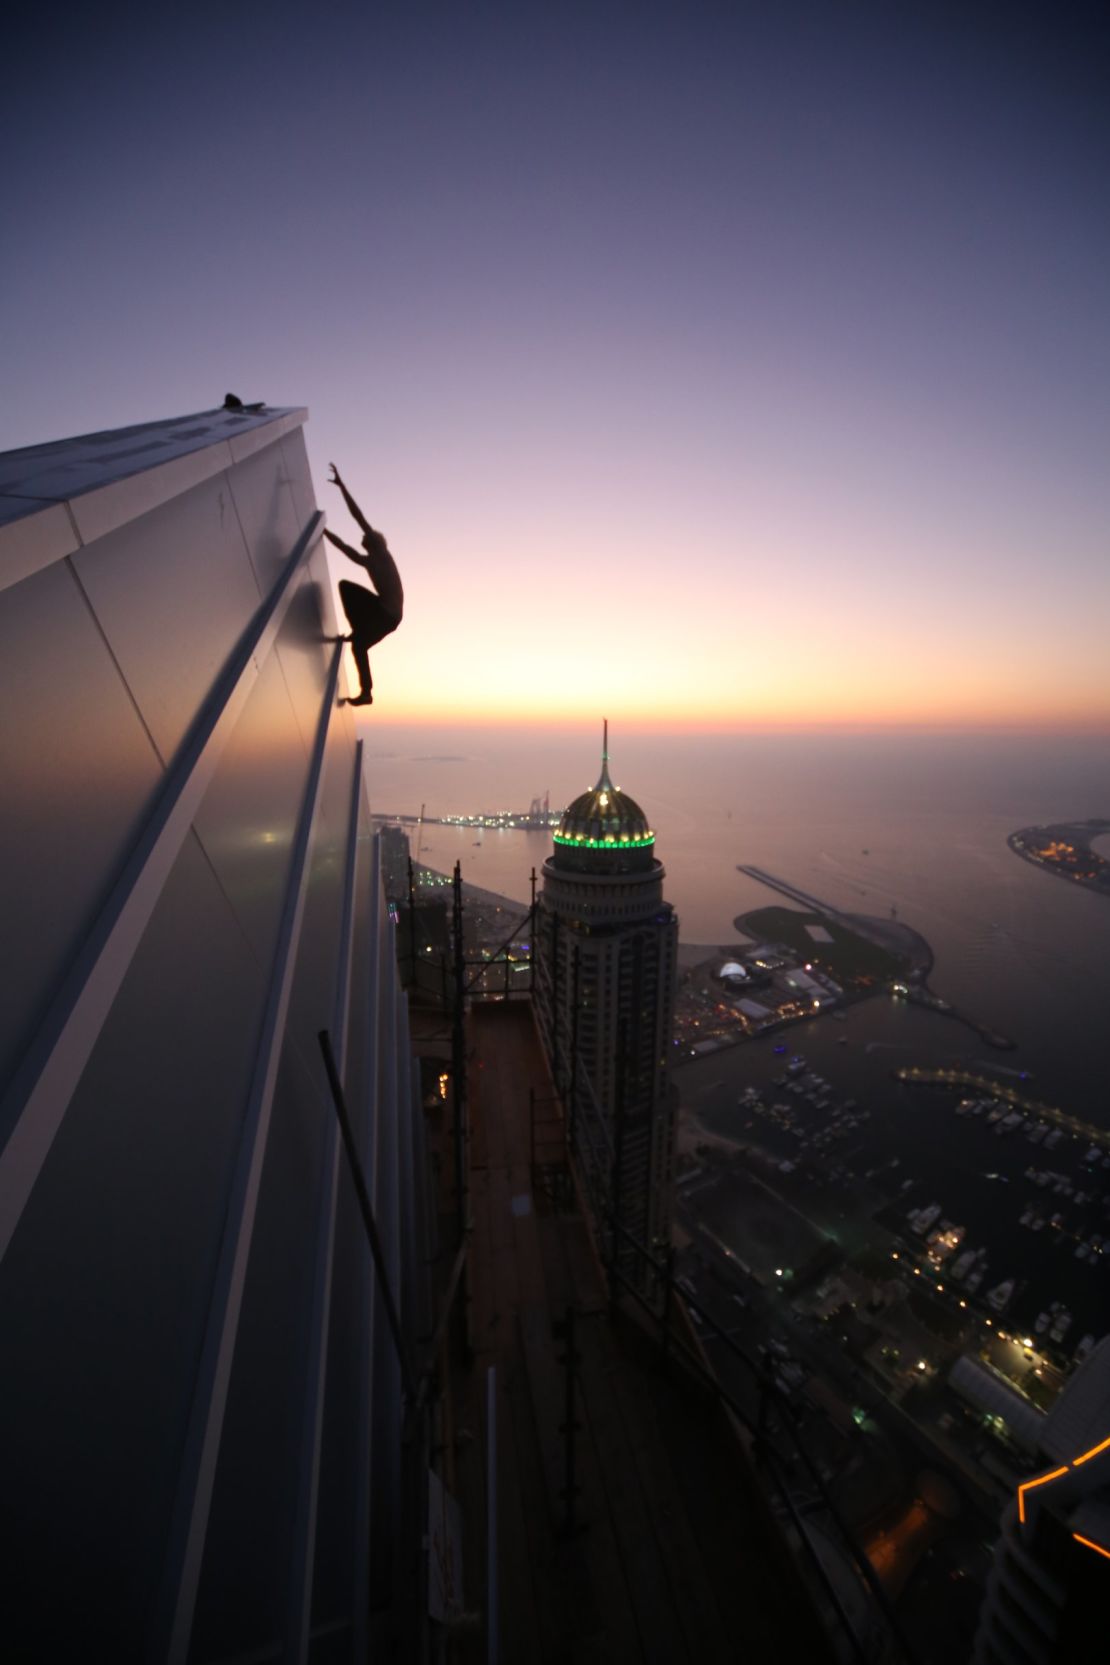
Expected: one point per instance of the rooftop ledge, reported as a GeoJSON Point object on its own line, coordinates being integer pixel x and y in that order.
{"type": "Point", "coordinates": [55, 498]}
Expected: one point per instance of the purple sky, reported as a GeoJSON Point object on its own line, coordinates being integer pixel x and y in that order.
{"type": "Point", "coordinates": [714, 363]}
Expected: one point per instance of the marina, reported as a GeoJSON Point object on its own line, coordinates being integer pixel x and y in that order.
{"type": "Point", "coordinates": [858, 1149]}
{"type": "Point", "coordinates": [1099, 1137]}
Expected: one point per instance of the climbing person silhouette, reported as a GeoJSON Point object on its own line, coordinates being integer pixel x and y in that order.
{"type": "Point", "coordinates": [370, 616]}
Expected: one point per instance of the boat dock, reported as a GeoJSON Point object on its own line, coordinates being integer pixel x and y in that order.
{"type": "Point", "coordinates": [984, 1084]}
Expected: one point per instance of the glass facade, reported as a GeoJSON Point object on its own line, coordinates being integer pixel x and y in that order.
{"type": "Point", "coordinates": [196, 1396]}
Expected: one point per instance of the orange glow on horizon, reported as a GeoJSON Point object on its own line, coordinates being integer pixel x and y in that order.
{"type": "Point", "coordinates": [486, 642]}
{"type": "Point", "coordinates": [388, 708]}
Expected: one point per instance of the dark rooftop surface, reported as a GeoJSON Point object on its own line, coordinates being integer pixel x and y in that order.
{"type": "Point", "coordinates": [38, 475]}
{"type": "Point", "coordinates": [675, 1555]}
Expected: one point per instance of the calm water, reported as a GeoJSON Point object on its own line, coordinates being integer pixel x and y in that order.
{"type": "Point", "coordinates": [1021, 950]}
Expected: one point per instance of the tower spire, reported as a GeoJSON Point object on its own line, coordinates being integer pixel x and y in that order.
{"type": "Point", "coordinates": [604, 781]}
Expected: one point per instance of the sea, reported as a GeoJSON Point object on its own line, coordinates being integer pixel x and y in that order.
{"type": "Point", "coordinates": [910, 821]}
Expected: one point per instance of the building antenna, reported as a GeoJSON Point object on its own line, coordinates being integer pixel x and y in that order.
{"type": "Point", "coordinates": [604, 781]}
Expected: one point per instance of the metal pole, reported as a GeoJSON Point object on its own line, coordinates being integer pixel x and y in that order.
{"type": "Point", "coordinates": [376, 1250]}
{"type": "Point", "coordinates": [555, 1013]}
{"type": "Point", "coordinates": [493, 1618]}
{"type": "Point", "coordinates": [458, 1054]}
{"type": "Point", "coordinates": [412, 925]}
{"type": "Point", "coordinates": [453, 1284]}
{"type": "Point", "coordinates": [532, 1133]}
{"type": "Point", "coordinates": [575, 996]}
{"type": "Point", "coordinates": [532, 936]}
{"type": "Point", "coordinates": [570, 1426]}
{"type": "Point", "coordinates": [616, 1186]}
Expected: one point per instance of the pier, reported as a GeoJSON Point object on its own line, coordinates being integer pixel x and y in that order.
{"type": "Point", "coordinates": [524, 820]}
{"type": "Point", "coordinates": [983, 1084]}
{"type": "Point", "coordinates": [895, 938]}
{"type": "Point", "coordinates": [794, 894]}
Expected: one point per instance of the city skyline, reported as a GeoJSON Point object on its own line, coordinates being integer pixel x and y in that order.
{"type": "Point", "coordinates": [705, 369]}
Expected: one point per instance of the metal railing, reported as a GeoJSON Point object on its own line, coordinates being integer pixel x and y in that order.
{"type": "Point", "coordinates": [775, 1434]}
{"type": "Point", "coordinates": [494, 973]}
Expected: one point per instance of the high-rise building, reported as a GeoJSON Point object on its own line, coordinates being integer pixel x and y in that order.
{"type": "Point", "coordinates": [605, 957]}
{"type": "Point", "coordinates": [198, 1381]}
{"type": "Point", "coordinates": [396, 856]}
{"type": "Point", "coordinates": [1046, 1601]}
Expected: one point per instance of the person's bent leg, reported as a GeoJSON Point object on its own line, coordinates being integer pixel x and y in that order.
{"type": "Point", "coordinates": [360, 649]}
{"type": "Point", "coordinates": [353, 597]}
{"type": "Point", "coordinates": [370, 622]}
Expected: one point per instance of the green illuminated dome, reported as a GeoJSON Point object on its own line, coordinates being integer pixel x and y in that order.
{"type": "Point", "coordinates": [604, 819]}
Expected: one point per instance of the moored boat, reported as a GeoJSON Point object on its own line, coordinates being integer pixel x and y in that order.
{"type": "Point", "coordinates": [1001, 1295]}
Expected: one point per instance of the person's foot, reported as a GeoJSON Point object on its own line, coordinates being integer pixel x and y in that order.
{"type": "Point", "coordinates": [338, 638]}
{"type": "Point", "coordinates": [365, 698]}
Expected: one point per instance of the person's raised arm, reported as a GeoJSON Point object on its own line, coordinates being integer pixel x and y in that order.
{"type": "Point", "coordinates": [356, 512]}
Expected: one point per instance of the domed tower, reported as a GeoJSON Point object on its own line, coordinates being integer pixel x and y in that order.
{"type": "Point", "coordinates": [605, 957]}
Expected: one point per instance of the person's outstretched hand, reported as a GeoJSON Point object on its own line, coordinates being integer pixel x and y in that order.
{"type": "Point", "coordinates": [335, 479]}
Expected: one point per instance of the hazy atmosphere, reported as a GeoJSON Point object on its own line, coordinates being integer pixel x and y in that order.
{"type": "Point", "coordinates": [710, 364]}
{"type": "Point", "coordinates": [553, 1043]}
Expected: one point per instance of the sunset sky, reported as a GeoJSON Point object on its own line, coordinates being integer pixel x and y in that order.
{"type": "Point", "coordinates": [709, 363]}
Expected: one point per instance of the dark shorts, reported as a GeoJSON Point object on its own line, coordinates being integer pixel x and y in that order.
{"type": "Point", "coordinates": [368, 618]}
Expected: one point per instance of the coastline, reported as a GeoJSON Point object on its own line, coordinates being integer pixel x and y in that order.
{"type": "Point", "coordinates": [1066, 850]}
{"type": "Point", "coordinates": [895, 938]}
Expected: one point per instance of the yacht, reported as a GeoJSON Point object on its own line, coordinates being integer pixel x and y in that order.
{"type": "Point", "coordinates": [1001, 1295]}
{"type": "Point", "coordinates": [975, 1278]}
{"type": "Point", "coordinates": [921, 1219]}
